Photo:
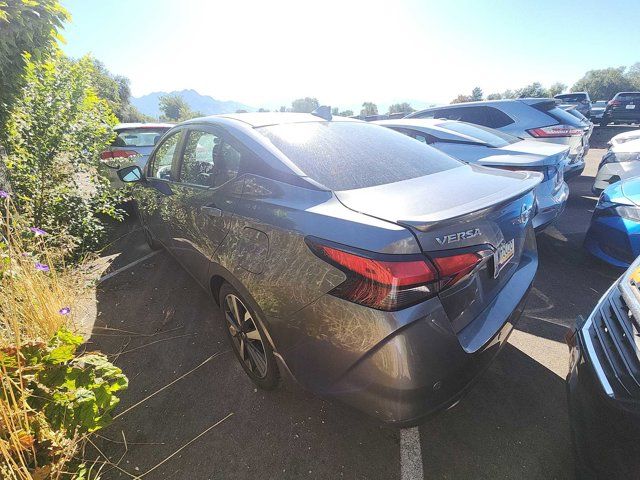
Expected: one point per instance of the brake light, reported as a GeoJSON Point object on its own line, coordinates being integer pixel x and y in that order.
{"type": "Point", "coordinates": [555, 131]}
{"type": "Point", "coordinates": [110, 154]}
{"type": "Point", "coordinates": [393, 282]}
{"type": "Point", "coordinates": [614, 103]}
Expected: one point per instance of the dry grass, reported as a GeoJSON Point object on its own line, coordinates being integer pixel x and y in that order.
{"type": "Point", "coordinates": [35, 292]}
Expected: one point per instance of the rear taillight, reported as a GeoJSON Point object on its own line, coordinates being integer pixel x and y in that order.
{"type": "Point", "coordinates": [555, 131]}
{"type": "Point", "coordinates": [392, 282]}
{"type": "Point", "coordinates": [110, 154]}
{"type": "Point", "coordinates": [614, 103]}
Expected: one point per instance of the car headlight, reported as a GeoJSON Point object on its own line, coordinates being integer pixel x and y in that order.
{"type": "Point", "coordinates": [606, 208]}
{"type": "Point", "coordinates": [613, 157]}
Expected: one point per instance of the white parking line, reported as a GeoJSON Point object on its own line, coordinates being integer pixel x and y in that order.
{"type": "Point", "coordinates": [128, 266]}
{"type": "Point", "coordinates": [410, 454]}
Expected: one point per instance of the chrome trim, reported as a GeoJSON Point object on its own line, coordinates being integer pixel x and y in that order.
{"type": "Point", "coordinates": [595, 361]}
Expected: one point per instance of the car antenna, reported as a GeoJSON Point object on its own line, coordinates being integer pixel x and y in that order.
{"type": "Point", "coordinates": [323, 111]}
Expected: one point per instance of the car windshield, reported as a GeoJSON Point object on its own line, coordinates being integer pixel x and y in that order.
{"type": "Point", "coordinates": [138, 137]}
{"type": "Point", "coordinates": [350, 155]}
{"type": "Point", "coordinates": [492, 138]}
{"type": "Point", "coordinates": [624, 97]}
{"type": "Point", "coordinates": [571, 98]}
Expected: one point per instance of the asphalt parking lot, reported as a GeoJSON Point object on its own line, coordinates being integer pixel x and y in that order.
{"type": "Point", "coordinates": [191, 413]}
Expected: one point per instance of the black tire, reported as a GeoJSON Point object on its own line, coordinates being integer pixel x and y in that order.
{"type": "Point", "coordinates": [256, 356]}
{"type": "Point", "coordinates": [152, 242]}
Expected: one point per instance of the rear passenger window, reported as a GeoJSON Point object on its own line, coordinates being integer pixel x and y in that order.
{"type": "Point", "coordinates": [478, 115]}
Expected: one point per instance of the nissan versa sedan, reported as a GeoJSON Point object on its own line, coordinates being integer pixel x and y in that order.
{"type": "Point", "coordinates": [603, 384]}
{"type": "Point", "coordinates": [493, 148]}
{"type": "Point", "coordinates": [530, 118]}
{"type": "Point", "coordinates": [133, 144]}
{"type": "Point", "coordinates": [371, 267]}
{"type": "Point", "coordinates": [614, 233]}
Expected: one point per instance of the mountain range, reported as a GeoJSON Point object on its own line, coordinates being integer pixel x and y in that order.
{"type": "Point", "coordinates": [149, 104]}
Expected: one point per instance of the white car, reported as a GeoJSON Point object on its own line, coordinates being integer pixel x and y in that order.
{"type": "Point", "coordinates": [625, 137]}
{"type": "Point", "coordinates": [493, 148]}
{"type": "Point", "coordinates": [621, 161]}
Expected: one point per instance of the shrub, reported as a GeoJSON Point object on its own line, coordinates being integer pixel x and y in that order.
{"type": "Point", "coordinates": [56, 131]}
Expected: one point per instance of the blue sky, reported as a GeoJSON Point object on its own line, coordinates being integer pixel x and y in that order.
{"type": "Point", "coordinates": [266, 53]}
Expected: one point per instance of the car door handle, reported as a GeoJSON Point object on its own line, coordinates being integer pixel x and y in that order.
{"type": "Point", "coordinates": [211, 211]}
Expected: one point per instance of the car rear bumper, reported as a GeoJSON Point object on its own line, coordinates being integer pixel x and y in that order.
{"type": "Point", "coordinates": [419, 366]}
{"type": "Point", "coordinates": [549, 206]}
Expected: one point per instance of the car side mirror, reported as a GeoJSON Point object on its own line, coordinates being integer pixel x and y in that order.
{"type": "Point", "coordinates": [130, 174]}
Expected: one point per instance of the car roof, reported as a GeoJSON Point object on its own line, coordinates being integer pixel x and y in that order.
{"type": "Point", "coordinates": [263, 119]}
{"type": "Point", "coordinates": [503, 101]}
{"type": "Point", "coordinates": [124, 126]}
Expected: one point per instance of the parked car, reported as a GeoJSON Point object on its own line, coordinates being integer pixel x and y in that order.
{"type": "Point", "coordinates": [614, 233]}
{"type": "Point", "coordinates": [578, 100]}
{"type": "Point", "coordinates": [536, 118]}
{"type": "Point", "coordinates": [619, 163]}
{"type": "Point", "coordinates": [602, 385]}
{"type": "Point", "coordinates": [597, 109]}
{"type": "Point", "coordinates": [624, 137]}
{"type": "Point", "coordinates": [492, 148]}
{"type": "Point", "coordinates": [373, 268]}
{"type": "Point", "coordinates": [623, 108]}
{"type": "Point", "coordinates": [133, 144]}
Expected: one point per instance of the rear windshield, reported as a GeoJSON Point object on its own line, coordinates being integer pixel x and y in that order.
{"type": "Point", "coordinates": [488, 136]}
{"type": "Point", "coordinates": [572, 97]}
{"type": "Point", "coordinates": [558, 114]}
{"type": "Point", "coordinates": [623, 97]}
{"type": "Point", "coordinates": [349, 155]}
{"type": "Point", "coordinates": [138, 137]}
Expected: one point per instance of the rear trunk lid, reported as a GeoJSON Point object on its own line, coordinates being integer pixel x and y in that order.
{"type": "Point", "coordinates": [470, 208]}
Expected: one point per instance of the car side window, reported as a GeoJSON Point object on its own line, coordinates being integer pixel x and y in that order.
{"type": "Point", "coordinates": [228, 165]}
{"type": "Point", "coordinates": [199, 162]}
{"type": "Point", "coordinates": [163, 158]}
{"type": "Point", "coordinates": [497, 118]}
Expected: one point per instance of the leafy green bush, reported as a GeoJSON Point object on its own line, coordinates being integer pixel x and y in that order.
{"type": "Point", "coordinates": [56, 131]}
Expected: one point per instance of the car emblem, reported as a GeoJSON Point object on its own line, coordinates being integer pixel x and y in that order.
{"type": "Point", "coordinates": [458, 236]}
{"type": "Point", "coordinates": [525, 214]}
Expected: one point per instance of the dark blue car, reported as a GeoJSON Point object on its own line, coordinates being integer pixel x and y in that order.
{"type": "Point", "coordinates": [614, 233]}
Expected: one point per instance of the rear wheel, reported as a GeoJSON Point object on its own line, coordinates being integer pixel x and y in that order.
{"type": "Point", "coordinates": [248, 339]}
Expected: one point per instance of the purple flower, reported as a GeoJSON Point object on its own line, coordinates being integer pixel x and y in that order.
{"type": "Point", "coordinates": [42, 267]}
{"type": "Point", "coordinates": [64, 311]}
{"type": "Point", "coordinates": [37, 231]}
{"type": "Point", "coordinates": [4, 194]}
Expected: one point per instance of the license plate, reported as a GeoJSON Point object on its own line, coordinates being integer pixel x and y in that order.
{"type": "Point", "coordinates": [630, 107]}
{"type": "Point", "coordinates": [502, 256]}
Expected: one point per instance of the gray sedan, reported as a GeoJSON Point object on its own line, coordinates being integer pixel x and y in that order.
{"type": "Point", "coordinates": [492, 148]}
{"type": "Point", "coordinates": [532, 118]}
{"type": "Point", "coordinates": [370, 267]}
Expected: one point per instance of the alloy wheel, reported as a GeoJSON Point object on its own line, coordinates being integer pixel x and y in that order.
{"type": "Point", "coordinates": [245, 335]}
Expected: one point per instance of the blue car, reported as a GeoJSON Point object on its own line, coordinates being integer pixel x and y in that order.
{"type": "Point", "coordinates": [614, 233]}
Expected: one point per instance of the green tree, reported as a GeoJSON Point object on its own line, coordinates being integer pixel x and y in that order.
{"type": "Point", "coordinates": [346, 113]}
{"type": "Point", "coordinates": [494, 96]}
{"type": "Point", "coordinates": [283, 109]}
{"type": "Point", "coordinates": [534, 90]}
{"type": "Point", "coordinates": [509, 94]}
{"type": "Point", "coordinates": [305, 105]}
{"type": "Point", "coordinates": [335, 110]}
{"type": "Point", "coordinates": [401, 108]}
{"type": "Point", "coordinates": [555, 89]}
{"type": "Point", "coordinates": [369, 108]}
{"type": "Point", "coordinates": [174, 108]}
{"type": "Point", "coordinates": [633, 74]}
{"type": "Point", "coordinates": [461, 99]}
{"type": "Point", "coordinates": [476, 94]}
{"type": "Point", "coordinates": [57, 128]}
{"type": "Point", "coordinates": [604, 84]}
{"type": "Point", "coordinates": [26, 26]}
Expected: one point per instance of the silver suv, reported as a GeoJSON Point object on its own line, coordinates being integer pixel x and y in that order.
{"type": "Point", "coordinates": [537, 118]}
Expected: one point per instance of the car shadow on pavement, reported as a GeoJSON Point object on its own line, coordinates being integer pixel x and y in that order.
{"type": "Point", "coordinates": [163, 330]}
